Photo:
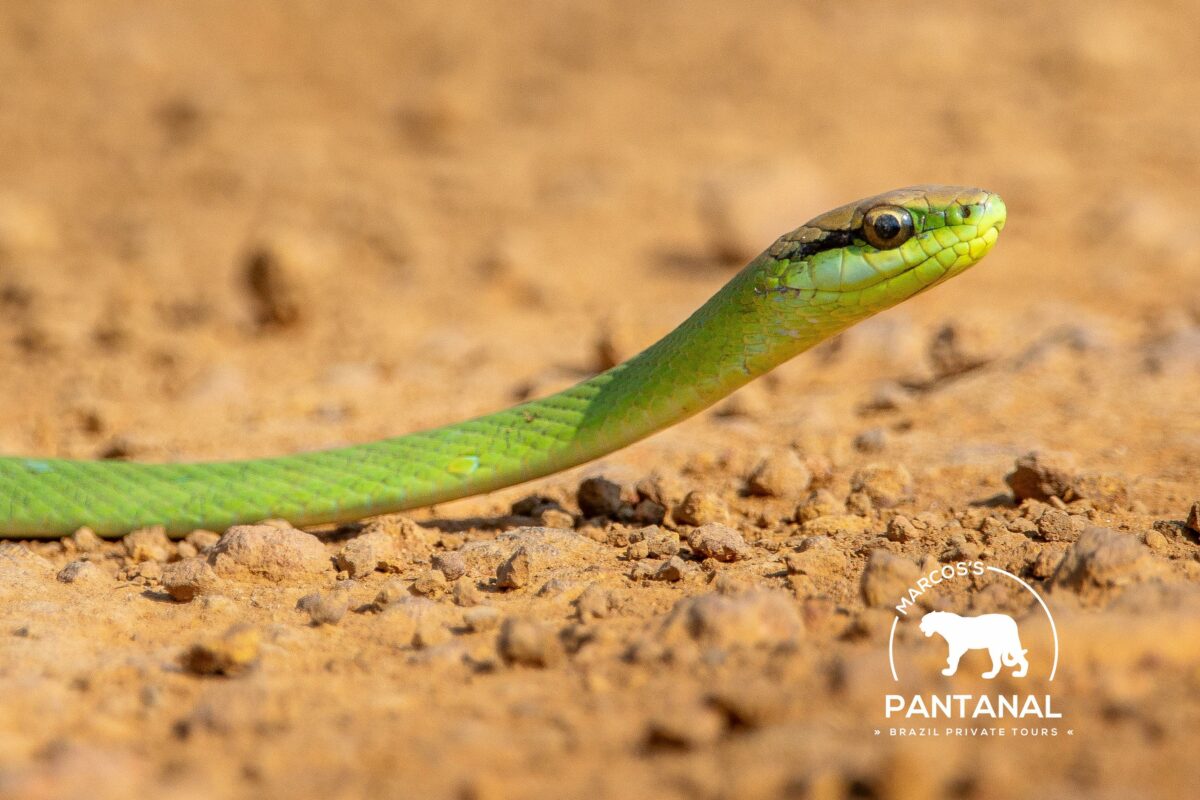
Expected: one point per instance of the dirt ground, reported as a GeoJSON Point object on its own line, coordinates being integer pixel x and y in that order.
{"type": "Point", "coordinates": [232, 230]}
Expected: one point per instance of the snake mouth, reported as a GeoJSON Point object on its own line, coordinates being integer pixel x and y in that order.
{"type": "Point", "coordinates": [995, 214]}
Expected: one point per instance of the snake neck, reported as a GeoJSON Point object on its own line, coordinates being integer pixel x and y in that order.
{"type": "Point", "coordinates": [738, 335]}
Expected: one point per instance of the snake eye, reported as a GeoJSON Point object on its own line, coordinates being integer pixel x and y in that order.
{"type": "Point", "coordinates": [886, 227]}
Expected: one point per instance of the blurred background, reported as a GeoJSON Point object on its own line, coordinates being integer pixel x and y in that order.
{"type": "Point", "coordinates": [313, 222]}
{"type": "Point", "coordinates": [235, 229]}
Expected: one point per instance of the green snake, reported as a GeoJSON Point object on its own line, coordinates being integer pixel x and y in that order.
{"type": "Point", "coordinates": [812, 283]}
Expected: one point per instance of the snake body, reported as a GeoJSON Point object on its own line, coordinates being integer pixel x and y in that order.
{"type": "Point", "coordinates": [812, 283]}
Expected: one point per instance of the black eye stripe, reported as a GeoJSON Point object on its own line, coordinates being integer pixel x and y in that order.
{"type": "Point", "coordinates": [800, 251]}
{"type": "Point", "coordinates": [897, 216]}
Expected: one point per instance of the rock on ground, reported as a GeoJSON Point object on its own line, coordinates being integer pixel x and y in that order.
{"type": "Point", "coordinates": [233, 653]}
{"type": "Point", "coordinates": [1042, 475]}
{"type": "Point", "coordinates": [887, 485]}
{"type": "Point", "coordinates": [189, 578]}
{"type": "Point", "coordinates": [700, 508]}
{"type": "Point", "coordinates": [758, 618]}
{"type": "Point", "coordinates": [529, 643]}
{"type": "Point", "coordinates": [81, 572]}
{"type": "Point", "coordinates": [782, 474]}
{"type": "Point", "coordinates": [720, 542]}
{"type": "Point", "coordinates": [1102, 562]}
{"type": "Point", "coordinates": [266, 552]}
{"type": "Point", "coordinates": [886, 578]}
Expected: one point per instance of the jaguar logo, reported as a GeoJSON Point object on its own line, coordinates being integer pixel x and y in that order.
{"type": "Point", "coordinates": [996, 633]}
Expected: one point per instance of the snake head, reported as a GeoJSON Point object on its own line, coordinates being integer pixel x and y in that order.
{"type": "Point", "coordinates": [871, 254]}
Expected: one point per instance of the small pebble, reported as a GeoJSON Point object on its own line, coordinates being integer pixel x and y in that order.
{"type": "Point", "coordinates": [860, 504]}
{"type": "Point", "coordinates": [901, 529]}
{"type": "Point", "coordinates": [366, 553]}
{"type": "Point", "coordinates": [649, 512]}
{"type": "Point", "coordinates": [991, 527]}
{"type": "Point", "coordinates": [595, 602]}
{"type": "Point", "coordinates": [148, 544]}
{"type": "Point", "coordinates": [1155, 540]}
{"type": "Point", "coordinates": [391, 593]}
{"type": "Point", "coordinates": [781, 474]}
{"type": "Point", "coordinates": [735, 617]}
{"type": "Point", "coordinates": [278, 277]}
{"type": "Point", "coordinates": [1059, 526]}
{"type": "Point", "coordinates": [1193, 518]}
{"type": "Point", "coordinates": [325, 608]}
{"type": "Point", "coordinates": [817, 558]}
{"type": "Point", "coordinates": [515, 572]}
{"type": "Point", "coordinates": [418, 621]}
{"type": "Point", "coordinates": [409, 540]}
{"type": "Point", "coordinates": [1046, 563]}
{"type": "Point", "coordinates": [81, 572]}
{"type": "Point", "coordinates": [481, 619]}
{"type": "Point", "coordinates": [451, 564]}
{"type": "Point", "coordinates": [1042, 475]}
{"type": "Point", "coordinates": [820, 503]}
{"type": "Point", "coordinates": [556, 518]}
{"type": "Point", "coordinates": [643, 570]}
{"type": "Point", "coordinates": [151, 570]}
{"type": "Point", "coordinates": [232, 653]}
{"type": "Point", "coordinates": [599, 497]}
{"type": "Point", "coordinates": [660, 543]}
{"type": "Point", "coordinates": [529, 643]}
{"type": "Point", "coordinates": [872, 440]}
{"type": "Point", "coordinates": [720, 542]}
{"type": "Point", "coordinates": [465, 593]}
{"type": "Point", "coordinates": [270, 552]}
{"type": "Point", "coordinates": [555, 587]}
{"type": "Point", "coordinates": [430, 632]}
{"type": "Point", "coordinates": [202, 540]}
{"type": "Point", "coordinates": [664, 489]}
{"type": "Point", "coordinates": [85, 540]}
{"type": "Point", "coordinates": [887, 485]}
{"type": "Point", "coordinates": [533, 505]}
{"type": "Point", "coordinates": [1101, 561]}
{"type": "Point", "coordinates": [189, 578]}
{"type": "Point", "coordinates": [687, 727]}
{"type": "Point", "coordinates": [700, 508]}
{"type": "Point", "coordinates": [887, 578]}
{"type": "Point", "coordinates": [430, 583]}
{"type": "Point", "coordinates": [673, 569]}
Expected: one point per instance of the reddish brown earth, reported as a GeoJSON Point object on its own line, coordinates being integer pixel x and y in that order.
{"type": "Point", "coordinates": [243, 230]}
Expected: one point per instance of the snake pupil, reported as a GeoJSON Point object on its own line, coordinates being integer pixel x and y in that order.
{"type": "Point", "coordinates": [886, 227]}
